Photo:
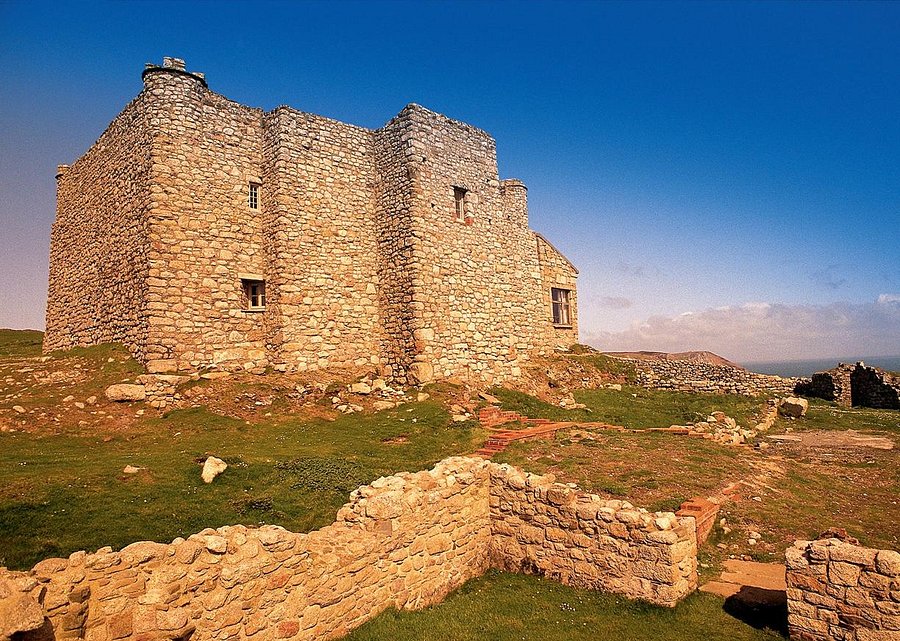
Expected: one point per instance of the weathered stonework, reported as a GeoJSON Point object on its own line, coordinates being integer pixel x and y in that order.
{"type": "Point", "coordinates": [398, 248]}
{"type": "Point", "coordinates": [689, 376]}
{"type": "Point", "coordinates": [404, 541]}
{"type": "Point", "coordinates": [854, 385]}
{"type": "Point", "coordinates": [842, 592]}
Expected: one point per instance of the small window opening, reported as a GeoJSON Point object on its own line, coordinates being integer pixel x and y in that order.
{"type": "Point", "coordinates": [562, 308]}
{"type": "Point", "coordinates": [253, 199]}
{"type": "Point", "coordinates": [255, 294]}
{"type": "Point", "coordinates": [459, 195]}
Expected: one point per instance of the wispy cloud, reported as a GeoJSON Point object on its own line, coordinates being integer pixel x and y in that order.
{"type": "Point", "coordinates": [769, 331]}
{"type": "Point", "coordinates": [616, 302]}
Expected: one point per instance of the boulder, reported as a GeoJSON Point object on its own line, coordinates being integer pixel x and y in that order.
{"type": "Point", "coordinates": [121, 392]}
{"type": "Point", "coordinates": [793, 407]}
{"type": "Point", "coordinates": [19, 610]}
{"type": "Point", "coordinates": [212, 467]}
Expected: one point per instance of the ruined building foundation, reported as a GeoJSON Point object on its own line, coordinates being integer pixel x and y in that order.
{"type": "Point", "coordinates": [404, 541]}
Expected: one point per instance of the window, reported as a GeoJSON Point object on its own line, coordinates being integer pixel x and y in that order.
{"type": "Point", "coordinates": [459, 195]}
{"type": "Point", "coordinates": [254, 196]}
{"type": "Point", "coordinates": [562, 307]}
{"type": "Point", "coordinates": [255, 294]}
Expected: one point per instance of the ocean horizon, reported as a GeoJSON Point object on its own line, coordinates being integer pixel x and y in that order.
{"type": "Point", "coordinates": [808, 367]}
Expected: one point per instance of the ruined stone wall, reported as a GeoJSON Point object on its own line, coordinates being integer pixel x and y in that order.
{"type": "Point", "coordinates": [319, 199]}
{"type": "Point", "coordinates": [404, 541]}
{"type": "Point", "coordinates": [557, 271]}
{"type": "Point", "coordinates": [688, 376]}
{"type": "Point", "coordinates": [854, 385]}
{"type": "Point", "coordinates": [871, 387]}
{"type": "Point", "coordinates": [99, 249]}
{"type": "Point", "coordinates": [833, 385]}
{"type": "Point", "coordinates": [477, 281]}
{"type": "Point", "coordinates": [842, 592]}
{"type": "Point", "coordinates": [547, 528]}
{"type": "Point", "coordinates": [206, 150]}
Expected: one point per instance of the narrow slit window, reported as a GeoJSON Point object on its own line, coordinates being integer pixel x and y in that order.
{"type": "Point", "coordinates": [253, 198]}
{"type": "Point", "coordinates": [459, 195]}
{"type": "Point", "coordinates": [255, 294]}
{"type": "Point", "coordinates": [562, 308]}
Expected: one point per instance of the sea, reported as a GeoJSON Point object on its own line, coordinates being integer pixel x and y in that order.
{"type": "Point", "coordinates": [807, 368]}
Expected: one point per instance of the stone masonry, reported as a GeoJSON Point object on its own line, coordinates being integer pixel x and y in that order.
{"type": "Point", "coordinates": [689, 376]}
{"type": "Point", "coordinates": [399, 249]}
{"type": "Point", "coordinates": [842, 592]}
{"type": "Point", "coordinates": [854, 385]}
{"type": "Point", "coordinates": [404, 541]}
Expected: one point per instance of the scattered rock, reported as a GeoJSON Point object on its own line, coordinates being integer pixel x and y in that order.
{"type": "Point", "coordinates": [383, 405]}
{"type": "Point", "coordinates": [79, 405]}
{"type": "Point", "coordinates": [422, 396]}
{"type": "Point", "coordinates": [131, 469]}
{"type": "Point", "coordinates": [493, 400]}
{"type": "Point", "coordinates": [90, 400]}
{"type": "Point", "coordinates": [614, 386]}
{"type": "Point", "coordinates": [68, 399]}
{"type": "Point", "coordinates": [459, 418]}
{"type": "Point", "coordinates": [19, 409]}
{"type": "Point", "coordinates": [126, 392]}
{"type": "Point", "coordinates": [212, 467]}
{"type": "Point", "coordinates": [361, 388]}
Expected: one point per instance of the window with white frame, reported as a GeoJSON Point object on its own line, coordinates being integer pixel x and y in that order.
{"type": "Point", "coordinates": [253, 198]}
{"type": "Point", "coordinates": [562, 306]}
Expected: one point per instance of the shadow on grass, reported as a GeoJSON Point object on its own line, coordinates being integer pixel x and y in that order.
{"type": "Point", "coordinates": [760, 608]}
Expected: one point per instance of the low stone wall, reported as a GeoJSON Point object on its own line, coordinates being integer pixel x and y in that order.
{"type": "Point", "coordinates": [542, 527]}
{"type": "Point", "coordinates": [688, 376]}
{"type": "Point", "coordinates": [404, 541]}
{"type": "Point", "coordinates": [842, 592]}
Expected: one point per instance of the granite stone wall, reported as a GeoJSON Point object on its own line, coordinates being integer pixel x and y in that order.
{"type": "Point", "coordinates": [367, 258]}
{"type": "Point", "coordinates": [404, 541]}
{"type": "Point", "coordinates": [842, 592]}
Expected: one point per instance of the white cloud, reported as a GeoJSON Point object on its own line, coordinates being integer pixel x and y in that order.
{"type": "Point", "coordinates": [768, 331]}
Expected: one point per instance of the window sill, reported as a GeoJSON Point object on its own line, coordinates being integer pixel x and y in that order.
{"type": "Point", "coordinates": [255, 310]}
{"type": "Point", "coordinates": [556, 326]}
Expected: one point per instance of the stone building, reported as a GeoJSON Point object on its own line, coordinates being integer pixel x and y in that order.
{"type": "Point", "coordinates": [200, 232]}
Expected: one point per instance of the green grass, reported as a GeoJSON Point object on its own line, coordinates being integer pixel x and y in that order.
{"type": "Point", "coordinates": [59, 494]}
{"type": "Point", "coordinates": [635, 407]}
{"type": "Point", "coordinates": [20, 342]}
{"type": "Point", "coordinates": [509, 607]}
{"type": "Point", "coordinates": [825, 415]}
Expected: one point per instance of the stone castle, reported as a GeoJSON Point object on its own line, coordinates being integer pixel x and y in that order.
{"type": "Point", "coordinates": [200, 232]}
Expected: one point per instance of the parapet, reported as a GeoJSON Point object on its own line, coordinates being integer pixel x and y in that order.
{"type": "Point", "coordinates": [173, 65]}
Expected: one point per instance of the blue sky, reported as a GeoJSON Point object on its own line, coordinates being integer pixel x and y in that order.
{"type": "Point", "coordinates": [725, 175]}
